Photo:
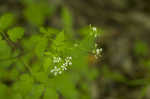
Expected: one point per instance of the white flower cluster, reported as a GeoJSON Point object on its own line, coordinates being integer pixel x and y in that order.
{"type": "Point", "coordinates": [97, 52]}
{"type": "Point", "coordinates": [94, 32]}
{"type": "Point", "coordinates": [61, 65]}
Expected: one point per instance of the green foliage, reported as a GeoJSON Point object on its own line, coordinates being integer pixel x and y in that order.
{"type": "Point", "coordinates": [3, 90]}
{"type": "Point", "coordinates": [37, 12]}
{"type": "Point", "coordinates": [141, 48]}
{"type": "Point", "coordinates": [15, 33]}
{"type": "Point", "coordinates": [49, 92]}
{"type": "Point", "coordinates": [6, 21]}
{"type": "Point", "coordinates": [41, 46]}
{"type": "Point", "coordinates": [5, 52]}
{"type": "Point", "coordinates": [0, 37]}
{"type": "Point", "coordinates": [46, 63]}
{"type": "Point", "coordinates": [59, 40]}
{"type": "Point", "coordinates": [67, 20]}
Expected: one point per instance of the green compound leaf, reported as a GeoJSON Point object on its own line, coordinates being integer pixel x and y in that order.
{"type": "Point", "coordinates": [49, 32]}
{"type": "Point", "coordinates": [58, 43]}
{"type": "Point", "coordinates": [67, 83]}
{"type": "Point", "coordinates": [24, 85]}
{"type": "Point", "coordinates": [15, 33]}
{"type": "Point", "coordinates": [5, 53]}
{"type": "Point", "coordinates": [36, 13]}
{"type": "Point", "coordinates": [6, 21]}
{"type": "Point", "coordinates": [47, 62]}
{"type": "Point", "coordinates": [3, 91]}
{"type": "Point", "coordinates": [41, 46]}
{"type": "Point", "coordinates": [41, 76]}
{"type": "Point", "coordinates": [67, 20]}
{"type": "Point", "coordinates": [59, 39]}
{"type": "Point", "coordinates": [50, 93]}
{"type": "Point", "coordinates": [36, 92]}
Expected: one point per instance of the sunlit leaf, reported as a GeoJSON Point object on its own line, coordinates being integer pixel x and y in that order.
{"type": "Point", "coordinates": [6, 21]}
{"type": "Point", "coordinates": [15, 33]}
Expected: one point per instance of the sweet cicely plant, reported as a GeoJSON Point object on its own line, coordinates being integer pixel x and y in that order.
{"type": "Point", "coordinates": [46, 62]}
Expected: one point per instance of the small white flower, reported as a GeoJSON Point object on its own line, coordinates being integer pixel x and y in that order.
{"type": "Point", "coordinates": [55, 67]}
{"type": "Point", "coordinates": [60, 72]}
{"type": "Point", "coordinates": [75, 45]}
{"type": "Point", "coordinates": [70, 63]}
{"type": "Point", "coordinates": [97, 52]}
{"type": "Point", "coordinates": [65, 68]}
{"type": "Point", "coordinates": [94, 32]}
{"type": "Point", "coordinates": [101, 49]}
{"type": "Point", "coordinates": [52, 71]}
{"type": "Point", "coordinates": [70, 57]}
{"type": "Point", "coordinates": [94, 29]}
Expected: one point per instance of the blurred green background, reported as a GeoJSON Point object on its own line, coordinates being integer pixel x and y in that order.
{"type": "Point", "coordinates": [123, 70]}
